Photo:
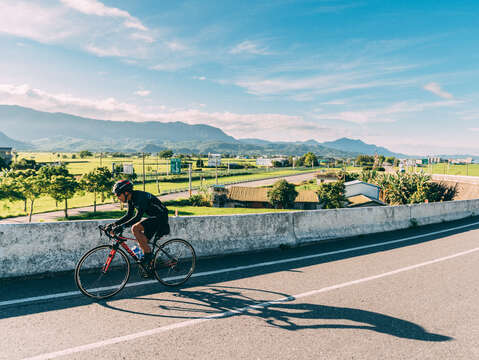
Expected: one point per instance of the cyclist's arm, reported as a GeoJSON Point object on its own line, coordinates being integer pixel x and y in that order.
{"type": "Point", "coordinates": [135, 219]}
{"type": "Point", "coordinates": [141, 206]}
{"type": "Point", "coordinates": [127, 216]}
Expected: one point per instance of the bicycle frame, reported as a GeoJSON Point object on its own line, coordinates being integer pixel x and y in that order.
{"type": "Point", "coordinates": [119, 241]}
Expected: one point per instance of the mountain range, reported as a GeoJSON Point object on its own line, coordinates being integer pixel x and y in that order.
{"type": "Point", "coordinates": [44, 131]}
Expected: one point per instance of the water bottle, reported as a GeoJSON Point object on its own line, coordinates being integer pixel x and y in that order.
{"type": "Point", "coordinates": [137, 251]}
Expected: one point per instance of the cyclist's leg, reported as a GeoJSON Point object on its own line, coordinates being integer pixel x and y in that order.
{"type": "Point", "coordinates": [139, 231]}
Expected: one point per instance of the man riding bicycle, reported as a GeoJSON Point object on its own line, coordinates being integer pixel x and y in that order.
{"type": "Point", "coordinates": [143, 230]}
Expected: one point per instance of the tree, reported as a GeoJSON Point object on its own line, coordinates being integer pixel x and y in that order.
{"type": "Point", "coordinates": [62, 188]}
{"type": "Point", "coordinates": [364, 160]}
{"type": "Point", "coordinates": [25, 185]}
{"type": "Point", "coordinates": [85, 153]}
{"type": "Point", "coordinates": [61, 185]}
{"type": "Point", "coordinates": [25, 164]}
{"type": "Point", "coordinates": [310, 159]}
{"type": "Point", "coordinates": [98, 181]}
{"type": "Point", "coordinates": [3, 164]}
{"type": "Point", "coordinates": [166, 154]}
{"type": "Point", "coordinates": [199, 163]}
{"type": "Point", "coordinates": [331, 195]}
{"type": "Point", "coordinates": [16, 182]}
{"type": "Point", "coordinates": [282, 195]}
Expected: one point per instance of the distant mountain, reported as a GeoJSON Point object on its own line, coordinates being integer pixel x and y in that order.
{"type": "Point", "coordinates": [28, 125]}
{"type": "Point", "coordinates": [63, 132]}
{"type": "Point", "coordinates": [360, 147]}
{"type": "Point", "coordinates": [5, 141]}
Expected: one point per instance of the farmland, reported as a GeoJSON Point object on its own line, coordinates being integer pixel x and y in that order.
{"type": "Point", "coordinates": [155, 173]}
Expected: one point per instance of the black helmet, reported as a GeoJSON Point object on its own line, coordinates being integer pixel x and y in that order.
{"type": "Point", "coordinates": [121, 186]}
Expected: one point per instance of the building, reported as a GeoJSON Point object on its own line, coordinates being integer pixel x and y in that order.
{"type": "Point", "coordinates": [325, 177]}
{"type": "Point", "coordinates": [214, 160]}
{"type": "Point", "coordinates": [270, 162]}
{"type": "Point", "coordinates": [251, 197]}
{"type": "Point", "coordinates": [363, 201]}
{"type": "Point", "coordinates": [362, 194]}
{"type": "Point", "coordinates": [357, 187]}
{"type": "Point", "coordinates": [6, 154]}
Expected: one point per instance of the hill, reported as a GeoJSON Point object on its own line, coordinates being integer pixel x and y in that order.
{"type": "Point", "coordinates": [5, 141]}
{"type": "Point", "coordinates": [360, 147]}
{"type": "Point", "coordinates": [64, 132]}
{"type": "Point", "coordinates": [29, 125]}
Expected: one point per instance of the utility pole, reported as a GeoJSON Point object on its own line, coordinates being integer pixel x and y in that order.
{"type": "Point", "coordinates": [157, 172]}
{"type": "Point", "coordinates": [216, 171]}
{"type": "Point", "coordinates": [189, 176]}
{"type": "Point", "coordinates": [101, 156]}
{"type": "Point", "coordinates": [144, 186]}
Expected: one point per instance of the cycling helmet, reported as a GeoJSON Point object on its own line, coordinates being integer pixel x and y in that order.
{"type": "Point", "coordinates": [121, 186]}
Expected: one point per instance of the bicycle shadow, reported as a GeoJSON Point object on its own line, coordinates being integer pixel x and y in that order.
{"type": "Point", "coordinates": [224, 301]}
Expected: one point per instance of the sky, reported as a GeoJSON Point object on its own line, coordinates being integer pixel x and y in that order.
{"type": "Point", "coordinates": [398, 74]}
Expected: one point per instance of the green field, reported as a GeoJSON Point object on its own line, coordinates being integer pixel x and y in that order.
{"type": "Point", "coordinates": [81, 166]}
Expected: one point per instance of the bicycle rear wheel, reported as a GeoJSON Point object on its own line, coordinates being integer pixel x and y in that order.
{"type": "Point", "coordinates": [98, 279]}
{"type": "Point", "coordinates": [174, 262]}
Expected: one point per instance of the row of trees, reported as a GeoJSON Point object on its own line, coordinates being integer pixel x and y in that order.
{"type": "Point", "coordinates": [54, 181]}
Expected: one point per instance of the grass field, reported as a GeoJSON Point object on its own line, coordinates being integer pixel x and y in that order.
{"type": "Point", "coordinates": [80, 166]}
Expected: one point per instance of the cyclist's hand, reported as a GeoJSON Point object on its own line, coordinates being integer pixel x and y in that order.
{"type": "Point", "coordinates": [117, 230]}
{"type": "Point", "coordinates": [109, 227]}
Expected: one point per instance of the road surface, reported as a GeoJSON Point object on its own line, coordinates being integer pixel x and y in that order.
{"type": "Point", "coordinates": [402, 295]}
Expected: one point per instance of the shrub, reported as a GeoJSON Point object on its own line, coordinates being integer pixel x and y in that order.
{"type": "Point", "coordinates": [331, 195]}
{"type": "Point", "coordinates": [282, 195]}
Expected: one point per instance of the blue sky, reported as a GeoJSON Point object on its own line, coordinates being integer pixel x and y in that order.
{"type": "Point", "coordinates": [399, 74]}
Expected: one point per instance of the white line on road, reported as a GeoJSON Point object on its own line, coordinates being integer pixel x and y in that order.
{"type": "Point", "coordinates": [245, 267]}
{"type": "Point", "coordinates": [238, 311]}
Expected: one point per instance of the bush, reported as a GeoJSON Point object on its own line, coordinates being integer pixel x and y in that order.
{"type": "Point", "coordinates": [282, 195]}
{"type": "Point", "coordinates": [331, 195]}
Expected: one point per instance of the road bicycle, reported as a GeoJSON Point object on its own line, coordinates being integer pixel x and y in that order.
{"type": "Point", "coordinates": [104, 270]}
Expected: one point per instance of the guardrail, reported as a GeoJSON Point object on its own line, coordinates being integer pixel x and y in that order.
{"type": "Point", "coordinates": [27, 249]}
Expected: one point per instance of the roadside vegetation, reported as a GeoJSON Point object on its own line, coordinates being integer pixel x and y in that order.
{"type": "Point", "coordinates": [44, 182]}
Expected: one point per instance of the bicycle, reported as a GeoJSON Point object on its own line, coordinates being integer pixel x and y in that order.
{"type": "Point", "coordinates": [104, 270]}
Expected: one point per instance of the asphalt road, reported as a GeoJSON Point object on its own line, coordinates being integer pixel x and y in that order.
{"type": "Point", "coordinates": [402, 295]}
{"type": "Point", "coordinates": [54, 215]}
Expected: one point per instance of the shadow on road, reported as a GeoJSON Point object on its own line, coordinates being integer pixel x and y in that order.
{"type": "Point", "coordinates": [224, 301]}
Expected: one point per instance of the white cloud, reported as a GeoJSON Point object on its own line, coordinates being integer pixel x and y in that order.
{"type": "Point", "coordinates": [270, 126]}
{"type": "Point", "coordinates": [142, 92]}
{"type": "Point", "coordinates": [384, 115]}
{"type": "Point", "coordinates": [473, 129]}
{"type": "Point", "coordinates": [32, 21]}
{"type": "Point", "coordinates": [94, 7]}
{"type": "Point", "coordinates": [249, 47]}
{"type": "Point", "coordinates": [435, 88]}
{"type": "Point", "coordinates": [202, 78]}
{"type": "Point", "coordinates": [334, 102]}
{"type": "Point", "coordinates": [176, 46]}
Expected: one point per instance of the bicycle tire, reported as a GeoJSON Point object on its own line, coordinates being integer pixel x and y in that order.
{"type": "Point", "coordinates": [174, 262]}
{"type": "Point", "coordinates": [89, 274]}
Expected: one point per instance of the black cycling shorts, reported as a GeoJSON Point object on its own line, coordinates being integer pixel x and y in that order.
{"type": "Point", "coordinates": [154, 224]}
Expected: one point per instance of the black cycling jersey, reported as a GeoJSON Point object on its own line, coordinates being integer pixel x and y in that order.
{"type": "Point", "coordinates": [144, 203]}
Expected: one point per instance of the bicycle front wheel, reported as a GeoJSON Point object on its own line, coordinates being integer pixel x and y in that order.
{"type": "Point", "coordinates": [174, 262]}
{"type": "Point", "coordinates": [102, 272]}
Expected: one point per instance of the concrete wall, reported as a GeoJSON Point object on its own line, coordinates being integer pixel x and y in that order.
{"type": "Point", "coordinates": [27, 249]}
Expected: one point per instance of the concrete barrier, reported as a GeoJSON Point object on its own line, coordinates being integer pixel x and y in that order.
{"type": "Point", "coordinates": [27, 249]}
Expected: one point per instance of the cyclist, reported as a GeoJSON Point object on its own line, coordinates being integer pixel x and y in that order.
{"type": "Point", "coordinates": [143, 229]}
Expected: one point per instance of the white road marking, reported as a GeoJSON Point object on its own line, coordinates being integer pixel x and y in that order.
{"type": "Point", "coordinates": [245, 267]}
{"type": "Point", "coordinates": [233, 312]}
